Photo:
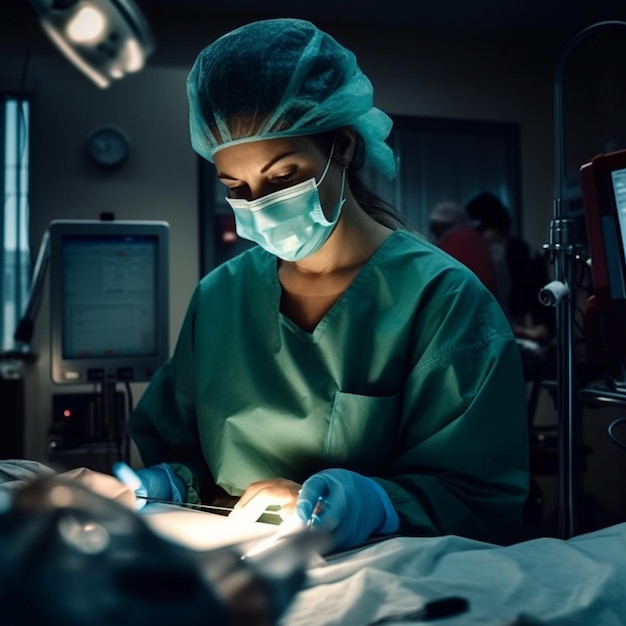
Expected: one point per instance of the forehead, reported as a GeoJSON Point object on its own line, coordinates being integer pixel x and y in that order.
{"type": "Point", "coordinates": [261, 152]}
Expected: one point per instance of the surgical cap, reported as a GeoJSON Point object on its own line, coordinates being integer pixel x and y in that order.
{"type": "Point", "coordinates": [282, 78]}
{"type": "Point", "coordinates": [449, 213]}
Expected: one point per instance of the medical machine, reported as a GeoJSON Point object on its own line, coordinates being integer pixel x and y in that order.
{"type": "Point", "coordinates": [108, 300]}
{"type": "Point", "coordinates": [109, 324]}
{"type": "Point", "coordinates": [603, 184]}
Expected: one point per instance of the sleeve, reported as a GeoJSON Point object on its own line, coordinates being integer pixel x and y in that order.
{"type": "Point", "coordinates": [461, 467]}
{"type": "Point", "coordinates": [163, 425]}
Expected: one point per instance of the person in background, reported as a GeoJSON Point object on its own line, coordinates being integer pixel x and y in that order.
{"type": "Point", "coordinates": [520, 272]}
{"type": "Point", "coordinates": [452, 230]}
{"type": "Point", "coordinates": [344, 369]}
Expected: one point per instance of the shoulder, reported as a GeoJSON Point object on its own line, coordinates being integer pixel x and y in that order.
{"type": "Point", "coordinates": [448, 308]}
{"type": "Point", "coordinates": [251, 263]}
{"type": "Point", "coordinates": [410, 254]}
{"type": "Point", "coordinates": [410, 270]}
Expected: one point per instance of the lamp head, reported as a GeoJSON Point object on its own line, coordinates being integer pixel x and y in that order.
{"type": "Point", "coordinates": [105, 39]}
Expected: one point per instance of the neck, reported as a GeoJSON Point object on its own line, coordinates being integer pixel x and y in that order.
{"type": "Point", "coordinates": [353, 241]}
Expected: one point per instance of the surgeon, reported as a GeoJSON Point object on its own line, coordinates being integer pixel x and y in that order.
{"type": "Point", "coordinates": [344, 371]}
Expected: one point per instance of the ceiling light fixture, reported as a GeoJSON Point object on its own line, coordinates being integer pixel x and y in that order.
{"type": "Point", "coordinates": [105, 39]}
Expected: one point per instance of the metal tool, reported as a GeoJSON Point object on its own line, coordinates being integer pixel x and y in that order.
{"type": "Point", "coordinates": [200, 507]}
{"type": "Point", "coordinates": [285, 530]}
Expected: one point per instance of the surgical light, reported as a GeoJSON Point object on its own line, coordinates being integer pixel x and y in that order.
{"type": "Point", "coordinates": [87, 24]}
{"type": "Point", "coordinates": [105, 39]}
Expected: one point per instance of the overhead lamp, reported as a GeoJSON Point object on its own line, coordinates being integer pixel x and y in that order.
{"type": "Point", "coordinates": [105, 39]}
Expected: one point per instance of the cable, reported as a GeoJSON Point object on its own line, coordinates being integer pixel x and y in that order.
{"type": "Point", "coordinates": [130, 407]}
{"type": "Point", "coordinates": [612, 426]}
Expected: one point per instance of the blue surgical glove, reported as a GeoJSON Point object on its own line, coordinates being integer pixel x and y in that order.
{"type": "Point", "coordinates": [349, 506]}
{"type": "Point", "coordinates": [157, 481]}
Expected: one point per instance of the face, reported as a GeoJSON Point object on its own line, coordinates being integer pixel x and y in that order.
{"type": "Point", "coordinates": [256, 169]}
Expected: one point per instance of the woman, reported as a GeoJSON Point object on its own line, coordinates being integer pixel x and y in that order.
{"type": "Point", "coordinates": [344, 368]}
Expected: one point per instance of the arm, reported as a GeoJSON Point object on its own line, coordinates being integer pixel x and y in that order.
{"type": "Point", "coordinates": [462, 461]}
{"type": "Point", "coordinates": [163, 424]}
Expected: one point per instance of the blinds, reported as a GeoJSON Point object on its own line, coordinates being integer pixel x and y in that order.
{"type": "Point", "coordinates": [14, 181]}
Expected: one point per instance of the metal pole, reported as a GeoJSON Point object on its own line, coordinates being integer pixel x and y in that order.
{"type": "Point", "coordinates": [563, 250]}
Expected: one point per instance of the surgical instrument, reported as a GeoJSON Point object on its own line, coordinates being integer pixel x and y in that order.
{"type": "Point", "coordinates": [293, 526]}
{"type": "Point", "coordinates": [202, 507]}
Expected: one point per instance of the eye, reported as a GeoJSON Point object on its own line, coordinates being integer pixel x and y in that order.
{"type": "Point", "coordinates": [239, 191]}
{"type": "Point", "coordinates": [284, 178]}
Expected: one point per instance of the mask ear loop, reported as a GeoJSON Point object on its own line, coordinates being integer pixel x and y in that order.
{"type": "Point", "coordinates": [330, 158]}
{"type": "Point", "coordinates": [342, 199]}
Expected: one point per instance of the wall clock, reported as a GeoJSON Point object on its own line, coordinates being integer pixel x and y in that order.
{"type": "Point", "coordinates": [108, 146]}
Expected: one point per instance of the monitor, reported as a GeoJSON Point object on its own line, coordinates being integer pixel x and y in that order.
{"type": "Point", "coordinates": [603, 186]}
{"type": "Point", "coordinates": [109, 302]}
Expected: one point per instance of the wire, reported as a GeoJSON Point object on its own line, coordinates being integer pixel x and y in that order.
{"type": "Point", "coordinates": [612, 426]}
{"type": "Point", "coordinates": [130, 405]}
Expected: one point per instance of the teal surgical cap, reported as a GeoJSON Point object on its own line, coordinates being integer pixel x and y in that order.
{"type": "Point", "coordinates": [282, 78]}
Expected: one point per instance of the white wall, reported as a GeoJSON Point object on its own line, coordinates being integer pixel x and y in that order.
{"type": "Point", "coordinates": [427, 73]}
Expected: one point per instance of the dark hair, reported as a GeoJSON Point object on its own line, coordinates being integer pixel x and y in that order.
{"type": "Point", "coordinates": [487, 211]}
{"type": "Point", "coordinates": [372, 204]}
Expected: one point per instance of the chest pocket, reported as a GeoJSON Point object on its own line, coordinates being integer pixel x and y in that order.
{"type": "Point", "coordinates": [362, 431]}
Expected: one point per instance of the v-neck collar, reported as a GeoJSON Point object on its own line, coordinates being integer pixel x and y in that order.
{"type": "Point", "coordinates": [334, 310]}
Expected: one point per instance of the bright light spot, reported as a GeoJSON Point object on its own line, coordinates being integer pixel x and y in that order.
{"type": "Point", "coordinates": [86, 537]}
{"type": "Point", "coordinates": [88, 24]}
{"type": "Point", "coordinates": [133, 55]}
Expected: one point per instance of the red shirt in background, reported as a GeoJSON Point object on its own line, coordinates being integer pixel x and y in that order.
{"type": "Point", "coordinates": [467, 245]}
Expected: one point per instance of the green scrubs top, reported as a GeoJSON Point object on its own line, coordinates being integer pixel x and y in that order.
{"type": "Point", "coordinates": [412, 378]}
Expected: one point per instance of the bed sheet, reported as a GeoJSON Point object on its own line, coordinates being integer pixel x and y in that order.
{"type": "Point", "coordinates": [579, 582]}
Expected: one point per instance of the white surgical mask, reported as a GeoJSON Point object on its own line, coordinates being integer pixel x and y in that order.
{"type": "Point", "coordinates": [289, 223]}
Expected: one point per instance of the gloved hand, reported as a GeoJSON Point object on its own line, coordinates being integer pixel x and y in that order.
{"type": "Point", "coordinates": [157, 481]}
{"type": "Point", "coordinates": [351, 507]}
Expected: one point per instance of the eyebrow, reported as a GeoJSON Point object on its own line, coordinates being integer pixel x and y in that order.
{"type": "Point", "coordinates": [265, 167]}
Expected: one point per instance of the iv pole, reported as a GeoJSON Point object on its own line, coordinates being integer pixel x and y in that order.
{"type": "Point", "coordinates": [563, 253]}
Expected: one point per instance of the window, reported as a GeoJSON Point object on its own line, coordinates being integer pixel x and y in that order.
{"type": "Point", "coordinates": [14, 181]}
{"type": "Point", "coordinates": [450, 160]}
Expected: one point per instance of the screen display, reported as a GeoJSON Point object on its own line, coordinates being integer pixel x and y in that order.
{"type": "Point", "coordinates": [109, 296]}
{"type": "Point", "coordinates": [618, 178]}
{"type": "Point", "coordinates": [603, 186]}
{"type": "Point", "coordinates": [109, 300]}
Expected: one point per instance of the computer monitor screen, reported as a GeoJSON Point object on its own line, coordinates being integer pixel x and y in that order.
{"type": "Point", "coordinates": [603, 182]}
{"type": "Point", "coordinates": [109, 300]}
{"type": "Point", "coordinates": [603, 185]}
{"type": "Point", "coordinates": [618, 179]}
